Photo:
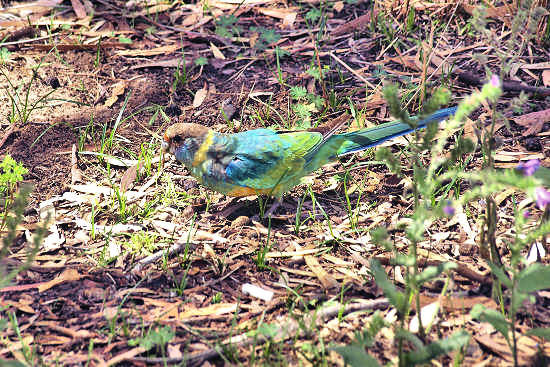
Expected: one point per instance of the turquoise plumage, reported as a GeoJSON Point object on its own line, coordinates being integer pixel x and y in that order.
{"type": "Point", "coordinates": [264, 161]}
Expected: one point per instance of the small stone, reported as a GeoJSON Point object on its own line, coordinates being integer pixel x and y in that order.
{"type": "Point", "coordinates": [188, 212]}
{"type": "Point", "coordinates": [227, 111]}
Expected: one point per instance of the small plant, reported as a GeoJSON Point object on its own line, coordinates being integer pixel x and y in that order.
{"type": "Point", "coordinates": [21, 105]}
{"type": "Point", "coordinates": [125, 40]}
{"type": "Point", "coordinates": [265, 38]}
{"type": "Point", "coordinates": [5, 56]}
{"type": "Point", "coordinates": [180, 74]}
{"type": "Point", "coordinates": [11, 174]}
{"type": "Point", "coordinates": [305, 105]}
{"type": "Point", "coordinates": [145, 160]}
{"type": "Point", "coordinates": [158, 336]}
{"type": "Point", "coordinates": [9, 227]}
{"type": "Point", "coordinates": [263, 250]}
{"type": "Point", "coordinates": [279, 54]}
{"type": "Point", "coordinates": [217, 298]}
{"type": "Point", "coordinates": [171, 196]}
{"type": "Point", "coordinates": [201, 61]}
{"type": "Point", "coordinates": [142, 243]}
{"type": "Point", "coordinates": [119, 199]}
{"type": "Point", "coordinates": [16, 207]}
{"type": "Point", "coordinates": [226, 26]}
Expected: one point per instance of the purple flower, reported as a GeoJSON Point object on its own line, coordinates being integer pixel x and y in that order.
{"type": "Point", "coordinates": [529, 167]}
{"type": "Point", "coordinates": [526, 214]}
{"type": "Point", "coordinates": [542, 197]}
{"type": "Point", "coordinates": [495, 81]}
{"type": "Point", "coordinates": [448, 209]}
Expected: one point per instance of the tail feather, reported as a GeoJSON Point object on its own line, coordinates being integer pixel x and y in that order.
{"type": "Point", "coordinates": [359, 140]}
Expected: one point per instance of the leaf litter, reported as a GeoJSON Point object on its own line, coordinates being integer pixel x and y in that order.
{"type": "Point", "coordinates": [86, 275]}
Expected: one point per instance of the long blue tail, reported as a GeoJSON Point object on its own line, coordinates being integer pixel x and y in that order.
{"type": "Point", "coordinates": [359, 140]}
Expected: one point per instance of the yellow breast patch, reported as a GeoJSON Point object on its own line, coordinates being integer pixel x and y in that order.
{"type": "Point", "coordinates": [200, 155]}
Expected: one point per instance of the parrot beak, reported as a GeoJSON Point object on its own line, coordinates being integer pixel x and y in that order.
{"type": "Point", "coordinates": [164, 147]}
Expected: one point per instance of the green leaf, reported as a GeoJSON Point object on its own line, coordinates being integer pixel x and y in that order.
{"type": "Point", "coordinates": [543, 174]}
{"type": "Point", "coordinates": [534, 278]}
{"type": "Point", "coordinates": [313, 15]}
{"type": "Point", "coordinates": [379, 236]}
{"type": "Point", "coordinates": [517, 301]}
{"type": "Point", "coordinates": [405, 259]}
{"type": "Point", "coordinates": [410, 337]}
{"type": "Point", "coordinates": [125, 40]}
{"type": "Point", "coordinates": [11, 363]}
{"type": "Point", "coordinates": [385, 155]}
{"type": "Point", "coordinates": [541, 332]}
{"type": "Point", "coordinates": [396, 298]}
{"type": "Point", "coordinates": [501, 275]}
{"type": "Point", "coordinates": [281, 52]}
{"type": "Point", "coordinates": [435, 349]}
{"type": "Point", "coordinates": [432, 272]}
{"type": "Point", "coordinates": [298, 92]}
{"type": "Point", "coordinates": [270, 36]}
{"type": "Point", "coordinates": [268, 330]}
{"type": "Point", "coordinates": [493, 317]}
{"type": "Point", "coordinates": [356, 356]}
{"type": "Point", "coordinates": [201, 61]}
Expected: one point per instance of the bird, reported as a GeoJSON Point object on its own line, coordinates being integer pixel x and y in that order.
{"type": "Point", "coordinates": [268, 162]}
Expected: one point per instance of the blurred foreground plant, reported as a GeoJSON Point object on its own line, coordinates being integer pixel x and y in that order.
{"type": "Point", "coordinates": [430, 186]}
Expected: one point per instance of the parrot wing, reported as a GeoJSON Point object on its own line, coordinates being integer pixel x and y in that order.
{"type": "Point", "coordinates": [263, 161]}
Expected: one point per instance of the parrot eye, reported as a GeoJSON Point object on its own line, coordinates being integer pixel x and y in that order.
{"type": "Point", "coordinates": [177, 139]}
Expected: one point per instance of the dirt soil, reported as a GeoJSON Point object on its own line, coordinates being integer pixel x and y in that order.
{"type": "Point", "coordinates": [119, 71]}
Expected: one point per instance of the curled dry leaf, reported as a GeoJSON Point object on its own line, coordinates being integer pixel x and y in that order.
{"type": "Point", "coordinates": [128, 178]}
{"type": "Point", "coordinates": [216, 52]}
{"type": "Point", "coordinates": [200, 96]}
{"type": "Point", "coordinates": [533, 121]}
{"type": "Point", "coordinates": [118, 89]}
{"type": "Point", "coordinates": [68, 275]}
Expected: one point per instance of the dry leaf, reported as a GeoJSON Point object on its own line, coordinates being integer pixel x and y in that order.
{"type": "Point", "coordinates": [163, 50]}
{"type": "Point", "coordinates": [338, 6]}
{"type": "Point", "coordinates": [289, 19]}
{"type": "Point", "coordinates": [216, 309]}
{"type": "Point", "coordinates": [19, 305]}
{"type": "Point", "coordinates": [546, 78]}
{"type": "Point", "coordinates": [124, 356]}
{"type": "Point", "coordinates": [258, 292]}
{"type": "Point", "coordinates": [128, 178]}
{"type": "Point", "coordinates": [78, 9]}
{"type": "Point", "coordinates": [118, 89]}
{"type": "Point", "coordinates": [506, 156]}
{"type": "Point", "coordinates": [68, 275]}
{"type": "Point", "coordinates": [154, 9]}
{"type": "Point", "coordinates": [174, 351]}
{"type": "Point", "coordinates": [11, 347]}
{"type": "Point", "coordinates": [326, 279]}
{"type": "Point", "coordinates": [216, 52]}
{"type": "Point", "coordinates": [533, 121]}
{"type": "Point", "coordinates": [200, 96]}
{"type": "Point", "coordinates": [169, 63]}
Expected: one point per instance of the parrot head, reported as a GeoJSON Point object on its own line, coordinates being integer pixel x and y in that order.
{"type": "Point", "coordinates": [184, 140]}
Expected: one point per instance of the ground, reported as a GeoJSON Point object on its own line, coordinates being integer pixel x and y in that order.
{"type": "Point", "coordinates": [105, 79]}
